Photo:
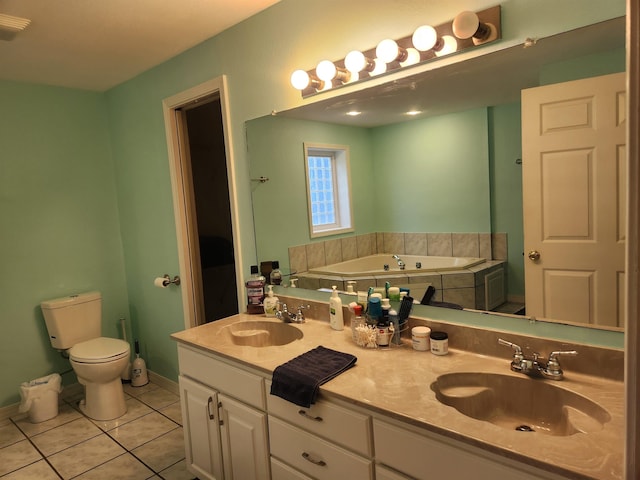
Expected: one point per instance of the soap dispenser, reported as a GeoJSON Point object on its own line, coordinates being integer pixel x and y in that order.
{"type": "Point", "coordinates": [336, 319]}
{"type": "Point", "coordinates": [270, 303]}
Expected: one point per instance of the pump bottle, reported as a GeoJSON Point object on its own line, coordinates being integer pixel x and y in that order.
{"type": "Point", "coordinates": [336, 319]}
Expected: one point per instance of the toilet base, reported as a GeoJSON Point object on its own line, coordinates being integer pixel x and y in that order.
{"type": "Point", "coordinates": [103, 401]}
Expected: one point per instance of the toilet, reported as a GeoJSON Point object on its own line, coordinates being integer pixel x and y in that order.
{"type": "Point", "coordinates": [74, 324]}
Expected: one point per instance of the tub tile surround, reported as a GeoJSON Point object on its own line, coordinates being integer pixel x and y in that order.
{"type": "Point", "coordinates": [396, 383]}
{"type": "Point", "coordinates": [465, 289]}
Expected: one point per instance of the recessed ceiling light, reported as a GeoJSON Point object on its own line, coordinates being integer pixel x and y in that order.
{"type": "Point", "coordinates": [353, 113]}
{"type": "Point", "coordinates": [413, 112]}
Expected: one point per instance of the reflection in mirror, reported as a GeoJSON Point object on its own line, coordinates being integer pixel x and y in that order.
{"type": "Point", "coordinates": [452, 170]}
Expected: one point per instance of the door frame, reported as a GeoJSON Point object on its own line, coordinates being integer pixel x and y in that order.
{"type": "Point", "coordinates": [180, 191]}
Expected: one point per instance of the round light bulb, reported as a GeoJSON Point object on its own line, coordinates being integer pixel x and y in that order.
{"type": "Point", "coordinates": [424, 38]}
{"type": "Point", "coordinates": [300, 79]}
{"type": "Point", "coordinates": [450, 46]}
{"type": "Point", "coordinates": [387, 50]}
{"type": "Point", "coordinates": [380, 67]}
{"type": "Point", "coordinates": [355, 61]}
{"type": "Point", "coordinates": [465, 25]}
{"type": "Point", "coordinates": [326, 70]}
{"type": "Point", "coordinates": [413, 57]}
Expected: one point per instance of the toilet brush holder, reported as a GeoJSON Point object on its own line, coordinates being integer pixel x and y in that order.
{"type": "Point", "coordinates": [139, 375]}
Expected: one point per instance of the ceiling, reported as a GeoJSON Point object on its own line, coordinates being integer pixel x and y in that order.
{"type": "Point", "coordinates": [492, 79]}
{"type": "Point", "coordinates": [97, 44]}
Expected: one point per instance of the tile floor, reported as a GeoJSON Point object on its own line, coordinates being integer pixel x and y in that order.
{"type": "Point", "coordinates": [145, 443]}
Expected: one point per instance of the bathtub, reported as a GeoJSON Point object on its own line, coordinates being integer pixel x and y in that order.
{"type": "Point", "coordinates": [374, 265]}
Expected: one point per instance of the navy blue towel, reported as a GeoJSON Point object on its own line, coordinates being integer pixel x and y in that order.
{"type": "Point", "coordinates": [298, 380]}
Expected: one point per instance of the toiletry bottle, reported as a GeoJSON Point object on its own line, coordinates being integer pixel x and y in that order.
{"type": "Point", "coordinates": [374, 311]}
{"type": "Point", "coordinates": [293, 283]}
{"type": "Point", "coordinates": [335, 310]}
{"type": "Point", "coordinates": [255, 291]}
{"type": "Point", "coordinates": [275, 277]}
{"type": "Point", "coordinates": [356, 321]}
{"type": "Point", "coordinates": [395, 321]}
{"type": "Point", "coordinates": [350, 287]}
{"type": "Point", "coordinates": [270, 303]}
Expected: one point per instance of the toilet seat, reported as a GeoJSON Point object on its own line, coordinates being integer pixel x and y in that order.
{"type": "Point", "coordinates": [99, 350]}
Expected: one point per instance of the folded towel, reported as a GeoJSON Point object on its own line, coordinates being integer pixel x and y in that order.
{"type": "Point", "coordinates": [298, 380]}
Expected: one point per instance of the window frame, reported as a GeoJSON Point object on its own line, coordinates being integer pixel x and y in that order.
{"type": "Point", "coordinates": [342, 191]}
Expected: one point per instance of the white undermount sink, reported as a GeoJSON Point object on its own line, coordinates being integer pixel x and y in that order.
{"type": "Point", "coordinates": [520, 403]}
{"type": "Point", "coordinates": [261, 333]}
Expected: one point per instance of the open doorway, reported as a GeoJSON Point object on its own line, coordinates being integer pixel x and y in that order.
{"type": "Point", "coordinates": [205, 204]}
{"type": "Point", "coordinates": [212, 208]}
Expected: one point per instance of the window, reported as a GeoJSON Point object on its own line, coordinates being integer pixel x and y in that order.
{"type": "Point", "coordinates": [328, 189]}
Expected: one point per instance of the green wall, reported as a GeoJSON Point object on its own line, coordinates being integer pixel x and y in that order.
{"type": "Point", "coordinates": [444, 163]}
{"type": "Point", "coordinates": [86, 193]}
{"type": "Point", "coordinates": [60, 232]}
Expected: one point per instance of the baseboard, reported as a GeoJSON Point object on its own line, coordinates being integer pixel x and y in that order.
{"type": "Point", "coordinates": [164, 382]}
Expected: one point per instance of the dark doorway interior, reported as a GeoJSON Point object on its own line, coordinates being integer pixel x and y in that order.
{"type": "Point", "coordinates": [213, 209]}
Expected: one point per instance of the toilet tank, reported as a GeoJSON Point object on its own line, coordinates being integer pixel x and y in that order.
{"type": "Point", "coordinates": [73, 319]}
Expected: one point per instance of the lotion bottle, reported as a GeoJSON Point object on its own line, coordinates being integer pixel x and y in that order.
{"type": "Point", "coordinates": [336, 319]}
{"type": "Point", "coordinates": [270, 303]}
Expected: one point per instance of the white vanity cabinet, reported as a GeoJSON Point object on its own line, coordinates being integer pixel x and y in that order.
{"type": "Point", "coordinates": [325, 441]}
{"type": "Point", "coordinates": [224, 421]}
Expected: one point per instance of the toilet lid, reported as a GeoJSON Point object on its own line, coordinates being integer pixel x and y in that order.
{"type": "Point", "coordinates": [98, 350]}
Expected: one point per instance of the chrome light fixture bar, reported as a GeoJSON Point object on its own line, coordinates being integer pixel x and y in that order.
{"type": "Point", "coordinates": [466, 31]}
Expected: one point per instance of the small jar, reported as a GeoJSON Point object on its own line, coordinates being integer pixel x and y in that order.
{"type": "Point", "coordinates": [439, 343]}
{"type": "Point", "coordinates": [420, 338]}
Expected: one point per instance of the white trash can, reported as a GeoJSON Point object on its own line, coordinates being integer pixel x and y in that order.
{"type": "Point", "coordinates": [40, 397]}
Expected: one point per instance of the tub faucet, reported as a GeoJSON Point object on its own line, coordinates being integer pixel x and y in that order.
{"type": "Point", "coordinates": [399, 260]}
{"type": "Point", "coordinates": [536, 366]}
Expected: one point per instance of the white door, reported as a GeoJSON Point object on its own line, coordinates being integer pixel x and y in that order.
{"type": "Point", "coordinates": [574, 196]}
{"type": "Point", "coordinates": [203, 454]}
{"type": "Point", "coordinates": [245, 443]}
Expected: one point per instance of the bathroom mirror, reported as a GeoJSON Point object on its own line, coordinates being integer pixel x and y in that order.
{"type": "Point", "coordinates": [484, 91]}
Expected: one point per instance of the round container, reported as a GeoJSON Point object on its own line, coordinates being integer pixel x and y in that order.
{"type": "Point", "coordinates": [439, 343]}
{"type": "Point", "coordinates": [394, 294]}
{"type": "Point", "coordinates": [420, 338]}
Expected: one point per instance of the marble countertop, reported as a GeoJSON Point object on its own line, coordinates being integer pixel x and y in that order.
{"type": "Point", "coordinates": [397, 382]}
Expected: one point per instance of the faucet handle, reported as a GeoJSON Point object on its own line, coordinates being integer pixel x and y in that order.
{"type": "Point", "coordinates": [553, 365]}
{"type": "Point", "coordinates": [517, 351]}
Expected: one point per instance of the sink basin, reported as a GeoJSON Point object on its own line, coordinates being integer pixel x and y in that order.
{"type": "Point", "coordinates": [261, 333]}
{"type": "Point", "coordinates": [520, 403]}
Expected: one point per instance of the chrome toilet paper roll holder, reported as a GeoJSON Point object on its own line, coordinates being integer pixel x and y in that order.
{"type": "Point", "coordinates": [167, 280]}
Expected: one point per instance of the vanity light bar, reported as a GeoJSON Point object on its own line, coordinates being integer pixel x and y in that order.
{"type": "Point", "coordinates": [467, 30]}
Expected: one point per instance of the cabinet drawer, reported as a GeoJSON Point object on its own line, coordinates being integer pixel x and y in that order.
{"type": "Point", "coordinates": [314, 456]}
{"type": "Point", "coordinates": [234, 381]}
{"type": "Point", "coordinates": [282, 471]}
{"type": "Point", "coordinates": [335, 423]}
{"type": "Point", "coordinates": [424, 457]}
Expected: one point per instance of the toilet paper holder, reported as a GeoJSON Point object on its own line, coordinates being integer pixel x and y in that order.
{"type": "Point", "coordinates": [168, 281]}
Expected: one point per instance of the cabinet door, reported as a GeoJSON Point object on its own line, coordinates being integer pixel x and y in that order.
{"type": "Point", "coordinates": [201, 431]}
{"type": "Point", "coordinates": [245, 444]}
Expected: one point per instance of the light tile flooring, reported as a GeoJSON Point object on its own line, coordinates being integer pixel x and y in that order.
{"type": "Point", "coordinates": [146, 442]}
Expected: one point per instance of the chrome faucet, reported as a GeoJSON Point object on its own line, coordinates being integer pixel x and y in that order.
{"type": "Point", "coordinates": [399, 260]}
{"type": "Point", "coordinates": [536, 366]}
{"type": "Point", "coordinates": [288, 317]}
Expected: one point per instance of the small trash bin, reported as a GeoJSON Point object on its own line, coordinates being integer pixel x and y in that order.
{"type": "Point", "coordinates": [40, 397]}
